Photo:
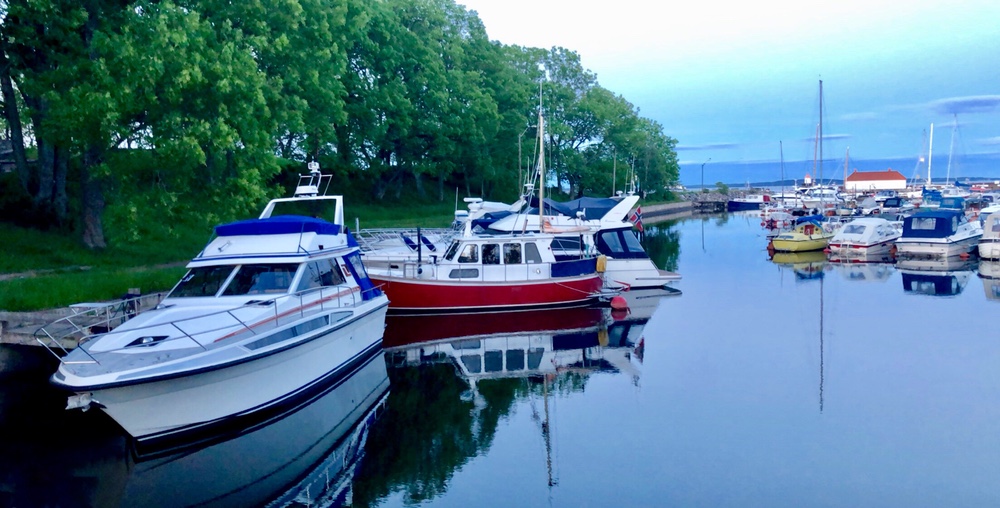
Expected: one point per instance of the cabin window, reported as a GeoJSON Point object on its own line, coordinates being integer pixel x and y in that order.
{"type": "Point", "coordinates": [611, 238]}
{"type": "Point", "coordinates": [464, 273]}
{"type": "Point", "coordinates": [854, 229]}
{"type": "Point", "coordinates": [515, 359]}
{"type": "Point", "coordinates": [452, 250]}
{"type": "Point", "coordinates": [535, 355]}
{"type": "Point", "coordinates": [923, 223]}
{"type": "Point", "coordinates": [470, 254]}
{"type": "Point", "coordinates": [473, 363]}
{"type": "Point", "coordinates": [954, 223]}
{"type": "Point", "coordinates": [566, 244]}
{"type": "Point", "coordinates": [491, 254]}
{"type": "Point", "coordinates": [320, 273]}
{"type": "Point", "coordinates": [511, 253]}
{"type": "Point", "coordinates": [493, 361]}
{"type": "Point", "coordinates": [261, 279]}
{"type": "Point", "coordinates": [202, 281]}
{"type": "Point", "coordinates": [996, 227]}
{"type": "Point", "coordinates": [631, 242]}
{"type": "Point", "coordinates": [531, 254]}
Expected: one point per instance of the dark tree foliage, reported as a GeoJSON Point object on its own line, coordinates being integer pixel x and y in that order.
{"type": "Point", "coordinates": [119, 110]}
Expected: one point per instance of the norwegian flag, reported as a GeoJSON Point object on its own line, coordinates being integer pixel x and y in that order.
{"type": "Point", "coordinates": [636, 218]}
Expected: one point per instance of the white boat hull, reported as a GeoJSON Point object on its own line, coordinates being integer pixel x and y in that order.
{"type": "Point", "coordinates": [937, 249]}
{"type": "Point", "coordinates": [849, 251]}
{"type": "Point", "coordinates": [172, 405]}
{"type": "Point", "coordinates": [638, 273]}
{"type": "Point", "coordinates": [989, 249]}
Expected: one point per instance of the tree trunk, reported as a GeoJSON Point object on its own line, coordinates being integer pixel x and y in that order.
{"type": "Point", "coordinates": [45, 172]}
{"type": "Point", "coordinates": [12, 115]}
{"type": "Point", "coordinates": [60, 201]}
{"type": "Point", "coordinates": [418, 177]}
{"type": "Point", "coordinates": [440, 187]}
{"type": "Point", "coordinates": [92, 202]}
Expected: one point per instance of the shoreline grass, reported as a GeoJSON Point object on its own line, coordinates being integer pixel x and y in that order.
{"type": "Point", "coordinates": [44, 270]}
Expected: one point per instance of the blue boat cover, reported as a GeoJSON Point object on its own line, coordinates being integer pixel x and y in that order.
{"type": "Point", "coordinates": [594, 208]}
{"type": "Point", "coordinates": [932, 224]}
{"type": "Point", "coordinates": [818, 219]}
{"type": "Point", "coordinates": [282, 224]}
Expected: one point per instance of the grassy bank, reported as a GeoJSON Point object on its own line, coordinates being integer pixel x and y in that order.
{"type": "Point", "coordinates": [43, 270]}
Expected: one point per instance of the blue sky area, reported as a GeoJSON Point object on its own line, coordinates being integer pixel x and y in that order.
{"type": "Point", "coordinates": [729, 79]}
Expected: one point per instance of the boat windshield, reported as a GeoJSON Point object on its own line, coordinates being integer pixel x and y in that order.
{"type": "Point", "coordinates": [202, 281]}
{"type": "Point", "coordinates": [854, 229]}
{"type": "Point", "coordinates": [264, 278]}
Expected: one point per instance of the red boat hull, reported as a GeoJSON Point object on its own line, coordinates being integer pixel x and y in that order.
{"type": "Point", "coordinates": [428, 295]}
{"type": "Point", "coordinates": [401, 330]}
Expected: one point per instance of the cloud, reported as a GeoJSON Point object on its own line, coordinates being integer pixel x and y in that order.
{"type": "Point", "coordinates": [865, 116]}
{"type": "Point", "coordinates": [968, 104]}
{"type": "Point", "coordinates": [709, 146]}
{"type": "Point", "coordinates": [994, 141]}
{"type": "Point", "coordinates": [828, 137]}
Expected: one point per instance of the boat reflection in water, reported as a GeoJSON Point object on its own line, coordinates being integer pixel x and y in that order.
{"type": "Point", "coordinates": [937, 277]}
{"type": "Point", "coordinates": [878, 271]}
{"type": "Point", "coordinates": [807, 265]}
{"type": "Point", "coordinates": [989, 273]}
{"type": "Point", "coordinates": [303, 457]}
{"type": "Point", "coordinates": [516, 344]}
{"type": "Point", "coordinates": [455, 377]}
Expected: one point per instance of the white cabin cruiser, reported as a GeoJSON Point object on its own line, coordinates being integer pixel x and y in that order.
{"type": "Point", "coordinates": [989, 243]}
{"type": "Point", "coordinates": [271, 310]}
{"type": "Point", "coordinates": [938, 233]}
{"type": "Point", "coordinates": [865, 238]}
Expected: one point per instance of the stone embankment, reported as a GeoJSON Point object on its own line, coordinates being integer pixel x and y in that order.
{"type": "Point", "coordinates": [709, 202]}
{"type": "Point", "coordinates": [665, 211]}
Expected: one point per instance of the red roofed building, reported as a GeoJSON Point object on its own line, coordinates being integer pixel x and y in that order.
{"type": "Point", "coordinates": [870, 181]}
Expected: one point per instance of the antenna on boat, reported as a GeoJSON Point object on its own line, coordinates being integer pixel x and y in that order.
{"type": "Point", "coordinates": [309, 184]}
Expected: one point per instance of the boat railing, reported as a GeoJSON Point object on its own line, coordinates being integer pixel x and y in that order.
{"type": "Point", "coordinates": [90, 318]}
{"type": "Point", "coordinates": [373, 240]}
{"type": "Point", "coordinates": [62, 335]}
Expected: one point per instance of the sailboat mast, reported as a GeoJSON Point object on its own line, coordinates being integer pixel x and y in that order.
{"type": "Point", "coordinates": [781, 154]}
{"type": "Point", "coordinates": [821, 131]}
{"type": "Point", "coordinates": [951, 150]}
{"type": "Point", "coordinates": [847, 159]}
{"type": "Point", "coordinates": [930, 155]}
{"type": "Point", "coordinates": [541, 167]}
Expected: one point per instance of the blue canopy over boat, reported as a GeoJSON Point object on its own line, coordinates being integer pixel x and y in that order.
{"type": "Point", "coordinates": [280, 225]}
{"type": "Point", "coordinates": [932, 224]}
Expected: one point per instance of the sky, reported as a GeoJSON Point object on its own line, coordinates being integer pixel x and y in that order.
{"type": "Point", "coordinates": [738, 81]}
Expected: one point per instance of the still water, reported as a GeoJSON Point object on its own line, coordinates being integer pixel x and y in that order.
{"type": "Point", "coordinates": [786, 382]}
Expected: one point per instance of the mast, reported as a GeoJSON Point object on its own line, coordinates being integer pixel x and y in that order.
{"type": "Point", "coordinates": [847, 159]}
{"type": "Point", "coordinates": [781, 152]}
{"type": "Point", "coordinates": [614, 171]}
{"type": "Point", "coordinates": [930, 155]}
{"type": "Point", "coordinates": [815, 147]}
{"type": "Point", "coordinates": [541, 163]}
{"type": "Point", "coordinates": [951, 150]}
{"type": "Point", "coordinates": [821, 131]}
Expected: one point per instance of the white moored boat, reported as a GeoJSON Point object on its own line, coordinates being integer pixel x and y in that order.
{"type": "Point", "coordinates": [270, 311]}
{"type": "Point", "coordinates": [866, 238]}
{"type": "Point", "coordinates": [989, 243]}
{"type": "Point", "coordinates": [938, 233]}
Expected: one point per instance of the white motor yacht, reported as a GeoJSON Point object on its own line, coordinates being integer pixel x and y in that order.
{"type": "Point", "coordinates": [865, 238]}
{"type": "Point", "coordinates": [271, 310]}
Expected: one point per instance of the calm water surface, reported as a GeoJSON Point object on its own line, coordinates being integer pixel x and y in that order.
{"type": "Point", "coordinates": [786, 382]}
